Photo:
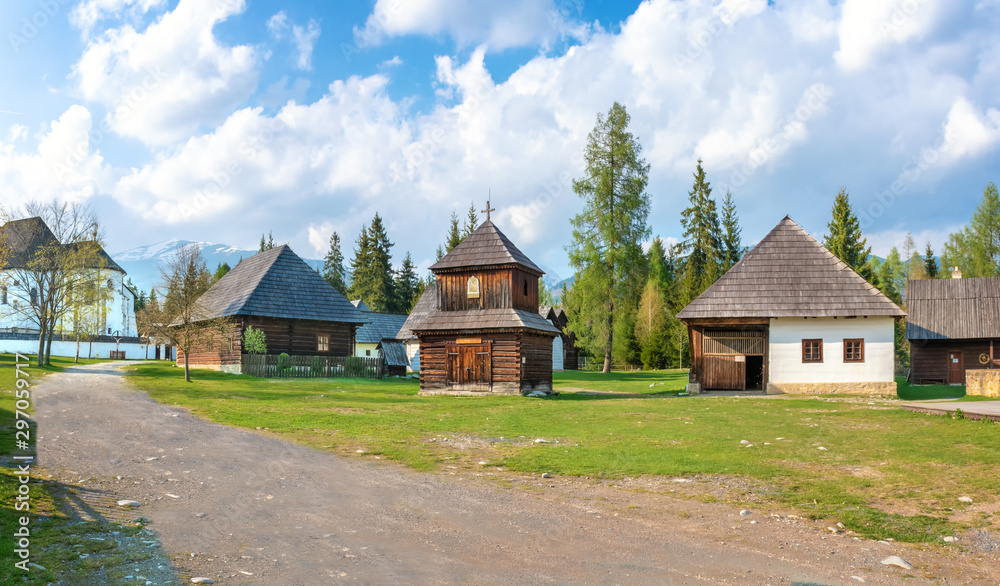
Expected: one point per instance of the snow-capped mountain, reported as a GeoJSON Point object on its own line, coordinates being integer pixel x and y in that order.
{"type": "Point", "coordinates": [143, 263]}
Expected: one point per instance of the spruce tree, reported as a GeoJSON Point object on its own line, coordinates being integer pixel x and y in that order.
{"type": "Point", "coordinates": [333, 265]}
{"type": "Point", "coordinates": [471, 221]}
{"type": "Point", "coordinates": [701, 238]}
{"type": "Point", "coordinates": [845, 240]}
{"type": "Point", "coordinates": [361, 266]}
{"type": "Point", "coordinates": [381, 295]}
{"type": "Point", "coordinates": [220, 271]}
{"type": "Point", "coordinates": [930, 263]}
{"type": "Point", "coordinates": [263, 243]}
{"type": "Point", "coordinates": [660, 271]}
{"type": "Point", "coordinates": [731, 245]}
{"type": "Point", "coordinates": [407, 285]}
{"type": "Point", "coordinates": [454, 234]}
{"type": "Point", "coordinates": [606, 250]}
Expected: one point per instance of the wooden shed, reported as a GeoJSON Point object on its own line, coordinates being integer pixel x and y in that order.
{"type": "Point", "coordinates": [953, 326]}
{"type": "Point", "coordinates": [478, 326]}
{"type": "Point", "coordinates": [791, 317]}
{"type": "Point", "coordinates": [276, 292]}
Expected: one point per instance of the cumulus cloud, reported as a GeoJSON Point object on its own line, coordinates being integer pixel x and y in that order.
{"type": "Point", "coordinates": [65, 165]}
{"type": "Point", "coordinates": [497, 24]}
{"type": "Point", "coordinates": [88, 13]}
{"type": "Point", "coordinates": [866, 26]}
{"type": "Point", "coordinates": [303, 37]}
{"type": "Point", "coordinates": [162, 84]}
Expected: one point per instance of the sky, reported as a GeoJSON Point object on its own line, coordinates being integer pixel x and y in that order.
{"type": "Point", "coordinates": [218, 120]}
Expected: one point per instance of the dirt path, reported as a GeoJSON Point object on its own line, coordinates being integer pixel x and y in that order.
{"type": "Point", "coordinates": [258, 510]}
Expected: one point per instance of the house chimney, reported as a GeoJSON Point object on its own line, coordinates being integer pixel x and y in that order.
{"type": "Point", "coordinates": [955, 273]}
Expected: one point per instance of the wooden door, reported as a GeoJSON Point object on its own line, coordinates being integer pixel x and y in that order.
{"type": "Point", "coordinates": [724, 372]}
{"type": "Point", "coordinates": [956, 368]}
{"type": "Point", "coordinates": [470, 366]}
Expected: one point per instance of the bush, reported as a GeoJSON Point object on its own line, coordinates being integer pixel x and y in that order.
{"type": "Point", "coordinates": [254, 341]}
{"type": "Point", "coordinates": [316, 365]}
{"type": "Point", "coordinates": [284, 362]}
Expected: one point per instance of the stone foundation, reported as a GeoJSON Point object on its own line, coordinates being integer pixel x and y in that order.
{"type": "Point", "coordinates": [693, 388]}
{"type": "Point", "coordinates": [495, 389]}
{"type": "Point", "coordinates": [984, 383]}
{"type": "Point", "coordinates": [870, 388]}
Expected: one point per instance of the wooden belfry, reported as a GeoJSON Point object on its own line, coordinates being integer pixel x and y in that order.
{"type": "Point", "coordinates": [478, 327]}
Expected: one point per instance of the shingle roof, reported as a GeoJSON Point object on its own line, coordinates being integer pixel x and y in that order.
{"type": "Point", "coordinates": [487, 246]}
{"type": "Point", "coordinates": [380, 327]}
{"type": "Point", "coordinates": [103, 260]}
{"type": "Point", "coordinates": [22, 237]}
{"type": "Point", "coordinates": [360, 305]}
{"type": "Point", "coordinates": [953, 309]}
{"type": "Point", "coordinates": [790, 274]}
{"type": "Point", "coordinates": [277, 283]}
{"type": "Point", "coordinates": [394, 353]}
{"type": "Point", "coordinates": [425, 306]}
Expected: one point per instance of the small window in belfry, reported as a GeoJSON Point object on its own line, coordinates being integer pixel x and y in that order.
{"type": "Point", "coordinates": [473, 288]}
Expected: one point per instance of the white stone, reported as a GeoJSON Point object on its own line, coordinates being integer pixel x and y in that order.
{"type": "Point", "coordinates": [821, 448]}
{"type": "Point", "coordinates": [895, 560]}
{"type": "Point", "coordinates": [951, 539]}
{"type": "Point", "coordinates": [202, 580]}
{"type": "Point", "coordinates": [541, 441]}
{"type": "Point", "coordinates": [128, 503]}
{"type": "Point", "coordinates": [546, 475]}
{"type": "Point", "coordinates": [744, 513]}
{"type": "Point", "coordinates": [965, 499]}
{"type": "Point", "coordinates": [744, 442]}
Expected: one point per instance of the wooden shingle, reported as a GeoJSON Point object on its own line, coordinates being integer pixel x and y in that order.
{"type": "Point", "coordinates": [790, 274]}
{"type": "Point", "coordinates": [953, 309]}
{"type": "Point", "coordinates": [485, 247]}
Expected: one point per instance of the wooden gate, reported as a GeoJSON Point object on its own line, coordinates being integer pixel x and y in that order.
{"type": "Point", "coordinates": [724, 357]}
{"type": "Point", "coordinates": [470, 367]}
{"type": "Point", "coordinates": [956, 368]}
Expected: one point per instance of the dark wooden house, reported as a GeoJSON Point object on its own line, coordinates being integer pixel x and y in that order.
{"type": "Point", "coordinates": [568, 358]}
{"type": "Point", "coordinates": [478, 327]}
{"type": "Point", "coordinates": [276, 292]}
{"type": "Point", "coordinates": [790, 317]}
{"type": "Point", "coordinates": [953, 326]}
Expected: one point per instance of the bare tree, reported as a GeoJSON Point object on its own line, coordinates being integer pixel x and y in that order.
{"type": "Point", "coordinates": [180, 318]}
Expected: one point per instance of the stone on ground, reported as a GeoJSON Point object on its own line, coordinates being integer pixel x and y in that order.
{"type": "Point", "coordinates": [895, 560]}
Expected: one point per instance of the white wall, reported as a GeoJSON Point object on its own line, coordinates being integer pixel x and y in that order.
{"type": "Point", "coordinates": [413, 353]}
{"type": "Point", "coordinates": [359, 350]}
{"type": "Point", "coordinates": [557, 354]}
{"type": "Point", "coordinates": [787, 333]}
{"type": "Point", "coordinates": [68, 349]}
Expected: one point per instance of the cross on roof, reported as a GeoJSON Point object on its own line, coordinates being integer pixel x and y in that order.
{"type": "Point", "coordinates": [488, 210]}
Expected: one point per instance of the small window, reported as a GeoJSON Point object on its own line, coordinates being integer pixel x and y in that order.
{"type": "Point", "coordinates": [368, 352]}
{"type": "Point", "coordinates": [34, 296]}
{"type": "Point", "coordinates": [3, 295]}
{"type": "Point", "coordinates": [323, 343]}
{"type": "Point", "coordinates": [854, 350]}
{"type": "Point", "coordinates": [812, 350]}
{"type": "Point", "coordinates": [526, 287]}
{"type": "Point", "coordinates": [111, 285]}
{"type": "Point", "coordinates": [472, 288]}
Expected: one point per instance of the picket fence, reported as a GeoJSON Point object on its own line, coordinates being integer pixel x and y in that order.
{"type": "Point", "coordinates": [285, 366]}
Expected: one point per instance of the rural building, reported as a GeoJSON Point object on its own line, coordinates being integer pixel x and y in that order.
{"type": "Point", "coordinates": [478, 327]}
{"type": "Point", "coordinates": [276, 292]}
{"type": "Point", "coordinates": [377, 339]}
{"type": "Point", "coordinates": [106, 323]}
{"type": "Point", "coordinates": [565, 355]}
{"type": "Point", "coordinates": [790, 317]}
{"type": "Point", "coordinates": [953, 326]}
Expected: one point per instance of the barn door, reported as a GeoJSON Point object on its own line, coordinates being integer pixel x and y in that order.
{"type": "Point", "coordinates": [725, 373]}
{"type": "Point", "coordinates": [956, 368]}
{"type": "Point", "coordinates": [470, 366]}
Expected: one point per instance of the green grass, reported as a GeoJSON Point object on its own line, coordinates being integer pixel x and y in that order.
{"type": "Point", "coordinates": [47, 548]}
{"type": "Point", "coordinates": [885, 473]}
{"type": "Point", "coordinates": [908, 392]}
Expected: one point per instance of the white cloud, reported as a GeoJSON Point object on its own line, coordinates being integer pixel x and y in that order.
{"type": "Point", "coordinates": [65, 164]}
{"type": "Point", "coordinates": [969, 133]}
{"type": "Point", "coordinates": [88, 13]}
{"type": "Point", "coordinates": [394, 62]}
{"type": "Point", "coordinates": [277, 25]}
{"type": "Point", "coordinates": [866, 26]}
{"type": "Point", "coordinates": [303, 37]}
{"type": "Point", "coordinates": [164, 83]}
{"type": "Point", "coordinates": [498, 24]}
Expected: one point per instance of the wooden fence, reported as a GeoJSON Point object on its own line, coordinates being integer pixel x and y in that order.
{"type": "Point", "coordinates": [285, 366]}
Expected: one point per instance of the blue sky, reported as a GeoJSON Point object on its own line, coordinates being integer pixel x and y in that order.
{"type": "Point", "coordinates": [217, 120]}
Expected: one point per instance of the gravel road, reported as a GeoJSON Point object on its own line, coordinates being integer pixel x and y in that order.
{"type": "Point", "coordinates": [255, 509]}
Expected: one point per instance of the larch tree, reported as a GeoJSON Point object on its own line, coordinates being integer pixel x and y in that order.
{"type": "Point", "coordinates": [700, 222]}
{"type": "Point", "coordinates": [731, 242]}
{"type": "Point", "coordinates": [845, 240]}
{"type": "Point", "coordinates": [333, 265]}
{"type": "Point", "coordinates": [607, 235]}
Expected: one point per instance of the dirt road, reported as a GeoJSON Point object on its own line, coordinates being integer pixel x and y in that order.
{"type": "Point", "coordinates": [258, 510]}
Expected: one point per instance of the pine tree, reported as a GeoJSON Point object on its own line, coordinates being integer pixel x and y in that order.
{"type": "Point", "coordinates": [361, 266]}
{"type": "Point", "coordinates": [333, 265]}
{"type": "Point", "coordinates": [606, 250]}
{"type": "Point", "coordinates": [930, 263]}
{"type": "Point", "coordinates": [381, 296]}
{"type": "Point", "coordinates": [845, 240]}
{"type": "Point", "coordinates": [270, 240]}
{"type": "Point", "coordinates": [454, 235]}
{"type": "Point", "coordinates": [220, 271]}
{"type": "Point", "coordinates": [731, 245]}
{"type": "Point", "coordinates": [263, 243]}
{"type": "Point", "coordinates": [660, 270]}
{"type": "Point", "coordinates": [471, 221]}
{"type": "Point", "coordinates": [407, 285]}
{"type": "Point", "coordinates": [701, 238]}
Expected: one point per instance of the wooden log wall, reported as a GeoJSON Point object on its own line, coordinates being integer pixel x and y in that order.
{"type": "Point", "coordinates": [298, 337]}
{"type": "Point", "coordinates": [522, 281]}
{"type": "Point", "coordinates": [536, 367]}
{"type": "Point", "coordinates": [498, 289]}
{"type": "Point", "coordinates": [505, 356]}
{"type": "Point", "coordinates": [217, 350]}
{"type": "Point", "coordinates": [929, 360]}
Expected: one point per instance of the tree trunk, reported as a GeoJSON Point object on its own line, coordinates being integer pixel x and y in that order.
{"type": "Point", "coordinates": [76, 359]}
{"type": "Point", "coordinates": [187, 368]}
{"type": "Point", "coordinates": [40, 360]}
{"type": "Point", "coordinates": [48, 343]}
{"type": "Point", "coordinates": [611, 338]}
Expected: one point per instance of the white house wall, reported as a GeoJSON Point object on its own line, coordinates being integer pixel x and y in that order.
{"type": "Point", "coordinates": [787, 369]}
{"type": "Point", "coordinates": [87, 350]}
{"type": "Point", "coordinates": [557, 354]}
{"type": "Point", "coordinates": [413, 355]}
{"type": "Point", "coordinates": [360, 349]}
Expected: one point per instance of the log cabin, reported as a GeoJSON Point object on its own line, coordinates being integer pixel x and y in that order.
{"type": "Point", "coordinates": [276, 292]}
{"type": "Point", "coordinates": [478, 327]}
{"type": "Point", "coordinates": [790, 317]}
{"type": "Point", "coordinates": [953, 327]}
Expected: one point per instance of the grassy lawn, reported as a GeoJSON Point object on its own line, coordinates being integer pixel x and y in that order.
{"type": "Point", "coordinates": [884, 473]}
{"type": "Point", "coordinates": [49, 536]}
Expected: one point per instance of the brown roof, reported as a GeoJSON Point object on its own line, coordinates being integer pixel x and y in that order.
{"type": "Point", "coordinates": [487, 246]}
{"type": "Point", "coordinates": [790, 274]}
{"type": "Point", "coordinates": [426, 317]}
{"type": "Point", "coordinates": [22, 238]}
{"type": "Point", "coordinates": [953, 309]}
{"type": "Point", "coordinates": [425, 306]}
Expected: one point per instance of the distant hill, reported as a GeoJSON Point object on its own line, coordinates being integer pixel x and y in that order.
{"type": "Point", "coordinates": [143, 262]}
